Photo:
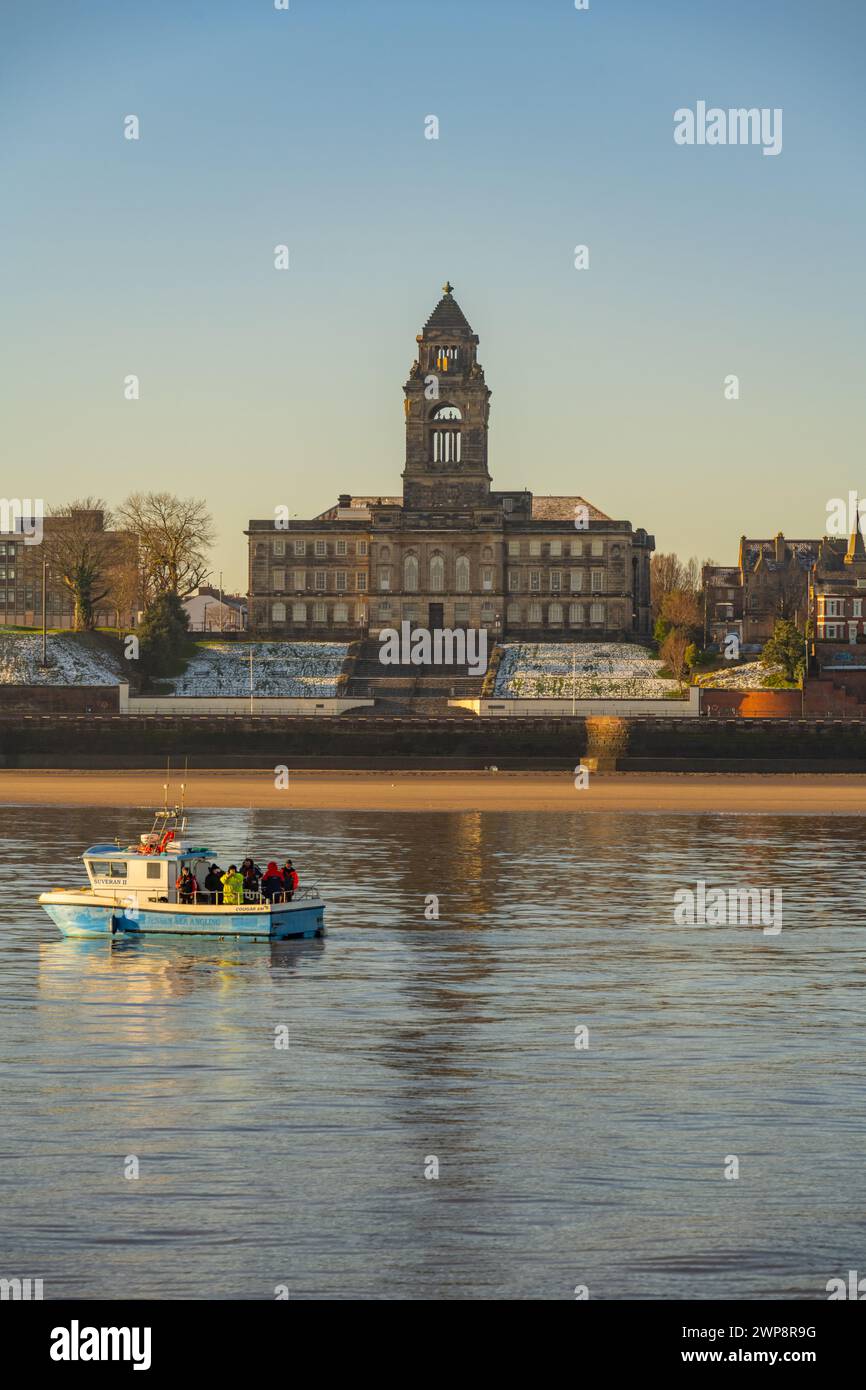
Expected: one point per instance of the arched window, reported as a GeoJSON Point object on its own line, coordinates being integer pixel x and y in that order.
{"type": "Point", "coordinates": [462, 574]}
{"type": "Point", "coordinates": [445, 439]}
{"type": "Point", "coordinates": [410, 573]}
{"type": "Point", "coordinates": [278, 612]}
{"type": "Point", "coordinates": [554, 614]}
{"type": "Point", "coordinates": [437, 574]}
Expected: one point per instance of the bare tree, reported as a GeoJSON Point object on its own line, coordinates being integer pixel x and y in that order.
{"type": "Point", "coordinates": [673, 653]}
{"type": "Point", "coordinates": [680, 608]}
{"type": "Point", "coordinates": [80, 546]}
{"type": "Point", "coordinates": [174, 536]}
{"type": "Point", "coordinates": [667, 573]}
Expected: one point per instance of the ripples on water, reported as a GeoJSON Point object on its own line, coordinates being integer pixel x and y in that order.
{"type": "Point", "coordinates": [454, 1038]}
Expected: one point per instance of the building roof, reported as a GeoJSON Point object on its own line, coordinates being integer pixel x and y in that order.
{"type": "Point", "coordinates": [800, 554]}
{"type": "Point", "coordinates": [552, 508]}
{"type": "Point", "coordinates": [448, 314]}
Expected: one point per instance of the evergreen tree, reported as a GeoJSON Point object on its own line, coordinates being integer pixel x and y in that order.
{"type": "Point", "coordinates": [786, 649]}
{"type": "Point", "coordinates": [164, 635]}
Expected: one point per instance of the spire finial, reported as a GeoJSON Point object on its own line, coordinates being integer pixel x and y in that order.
{"type": "Point", "coordinates": [448, 287]}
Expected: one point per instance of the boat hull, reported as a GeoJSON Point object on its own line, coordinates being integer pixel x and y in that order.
{"type": "Point", "coordinates": [74, 915]}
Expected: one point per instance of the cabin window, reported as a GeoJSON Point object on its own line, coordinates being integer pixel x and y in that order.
{"type": "Point", "coordinates": [103, 869]}
{"type": "Point", "coordinates": [154, 870]}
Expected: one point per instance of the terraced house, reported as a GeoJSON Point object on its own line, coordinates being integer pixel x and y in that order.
{"type": "Point", "coordinates": [451, 551]}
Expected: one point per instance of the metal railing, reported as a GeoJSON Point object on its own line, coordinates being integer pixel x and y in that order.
{"type": "Point", "coordinates": [205, 898]}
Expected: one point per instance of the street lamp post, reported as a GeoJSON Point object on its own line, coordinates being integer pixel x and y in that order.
{"type": "Point", "coordinates": [221, 600]}
{"type": "Point", "coordinates": [44, 609]}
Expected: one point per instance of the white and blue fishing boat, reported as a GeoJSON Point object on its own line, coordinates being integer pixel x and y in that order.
{"type": "Point", "coordinates": [132, 891]}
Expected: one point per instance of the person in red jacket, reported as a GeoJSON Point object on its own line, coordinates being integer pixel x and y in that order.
{"type": "Point", "coordinates": [290, 878]}
{"type": "Point", "coordinates": [186, 885]}
{"type": "Point", "coordinates": [272, 882]}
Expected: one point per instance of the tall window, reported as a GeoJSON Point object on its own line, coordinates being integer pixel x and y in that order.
{"type": "Point", "coordinates": [554, 614]}
{"type": "Point", "coordinates": [445, 440]}
{"type": "Point", "coordinates": [410, 573]}
{"type": "Point", "coordinates": [385, 578]}
{"type": "Point", "coordinates": [278, 612]}
{"type": "Point", "coordinates": [461, 574]}
{"type": "Point", "coordinates": [437, 574]}
{"type": "Point", "coordinates": [321, 547]}
{"type": "Point", "coordinates": [299, 612]}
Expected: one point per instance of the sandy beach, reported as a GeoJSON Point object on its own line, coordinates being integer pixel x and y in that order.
{"type": "Point", "coordinates": [794, 794]}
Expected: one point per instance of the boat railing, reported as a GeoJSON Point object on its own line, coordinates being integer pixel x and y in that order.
{"type": "Point", "coordinates": [205, 898]}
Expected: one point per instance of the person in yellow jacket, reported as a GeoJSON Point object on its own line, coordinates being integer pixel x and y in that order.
{"type": "Point", "coordinates": [233, 885]}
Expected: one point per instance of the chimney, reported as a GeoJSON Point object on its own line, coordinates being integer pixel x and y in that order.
{"type": "Point", "coordinates": [344, 499]}
{"type": "Point", "coordinates": [780, 548]}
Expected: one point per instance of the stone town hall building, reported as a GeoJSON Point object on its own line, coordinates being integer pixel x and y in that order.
{"type": "Point", "coordinates": [451, 552]}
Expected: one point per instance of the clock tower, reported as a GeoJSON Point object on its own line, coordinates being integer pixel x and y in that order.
{"type": "Point", "coordinates": [447, 406]}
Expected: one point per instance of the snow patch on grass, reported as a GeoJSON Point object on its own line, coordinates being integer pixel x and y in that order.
{"type": "Point", "coordinates": [752, 675]}
{"type": "Point", "coordinates": [72, 662]}
{"type": "Point", "coordinates": [288, 669]}
{"type": "Point", "coordinates": [603, 670]}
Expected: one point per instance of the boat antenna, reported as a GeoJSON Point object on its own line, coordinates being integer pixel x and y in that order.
{"type": "Point", "coordinates": [166, 784]}
{"type": "Point", "coordinates": [183, 785]}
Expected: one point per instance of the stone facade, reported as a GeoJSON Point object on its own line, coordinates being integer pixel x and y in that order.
{"type": "Point", "coordinates": [770, 581]}
{"type": "Point", "coordinates": [21, 570]}
{"type": "Point", "coordinates": [837, 594]}
{"type": "Point", "coordinates": [451, 551]}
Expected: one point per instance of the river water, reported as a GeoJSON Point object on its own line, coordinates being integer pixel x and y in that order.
{"type": "Point", "coordinates": [415, 1042]}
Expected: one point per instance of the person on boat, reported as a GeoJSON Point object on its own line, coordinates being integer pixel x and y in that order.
{"type": "Point", "coordinates": [251, 874]}
{"type": "Point", "coordinates": [233, 885]}
{"type": "Point", "coordinates": [186, 885]}
{"type": "Point", "coordinates": [290, 878]}
{"type": "Point", "coordinates": [272, 882]}
{"type": "Point", "coordinates": [214, 883]}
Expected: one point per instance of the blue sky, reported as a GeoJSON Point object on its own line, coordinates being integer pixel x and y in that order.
{"type": "Point", "coordinates": [262, 388]}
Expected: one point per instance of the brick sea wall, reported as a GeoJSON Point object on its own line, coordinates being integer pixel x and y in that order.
{"type": "Point", "coordinates": [68, 699]}
{"type": "Point", "coordinates": [641, 744]}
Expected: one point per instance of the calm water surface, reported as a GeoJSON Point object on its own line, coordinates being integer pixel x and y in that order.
{"type": "Point", "coordinates": [452, 1038]}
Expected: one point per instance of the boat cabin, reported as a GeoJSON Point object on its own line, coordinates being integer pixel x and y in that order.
{"type": "Point", "coordinates": [141, 875]}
